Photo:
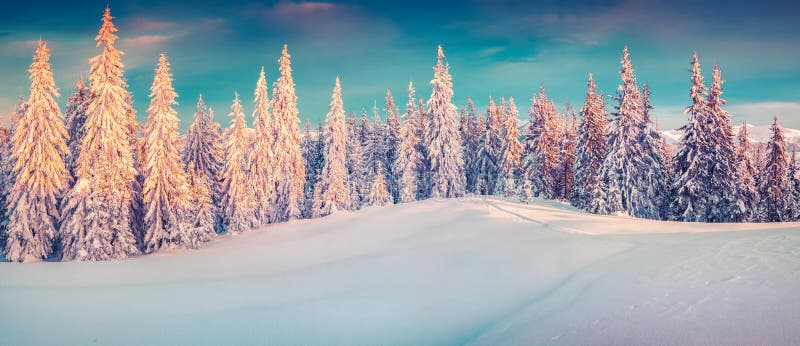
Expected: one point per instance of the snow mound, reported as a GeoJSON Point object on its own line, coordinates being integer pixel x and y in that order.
{"type": "Point", "coordinates": [469, 271]}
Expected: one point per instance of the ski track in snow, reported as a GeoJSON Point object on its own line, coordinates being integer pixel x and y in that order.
{"type": "Point", "coordinates": [475, 270]}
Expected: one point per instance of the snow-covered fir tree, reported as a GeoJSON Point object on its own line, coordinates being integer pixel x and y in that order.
{"type": "Point", "coordinates": [334, 188]}
{"type": "Point", "coordinates": [203, 212]}
{"type": "Point", "coordinates": [774, 187]}
{"type": "Point", "coordinates": [473, 133]}
{"type": "Point", "coordinates": [312, 155]}
{"type": "Point", "coordinates": [423, 173]}
{"type": "Point", "coordinates": [794, 186]}
{"type": "Point", "coordinates": [747, 174]}
{"type": "Point", "coordinates": [392, 144]}
{"type": "Point", "coordinates": [98, 223]}
{"type": "Point", "coordinates": [378, 190]}
{"type": "Point", "coordinates": [5, 182]}
{"type": "Point", "coordinates": [262, 157]}
{"type": "Point", "coordinates": [379, 143]}
{"type": "Point", "coordinates": [588, 191]}
{"type": "Point", "coordinates": [38, 147]}
{"type": "Point", "coordinates": [656, 177]}
{"type": "Point", "coordinates": [510, 155]}
{"type": "Point", "coordinates": [7, 165]}
{"type": "Point", "coordinates": [166, 195]}
{"type": "Point", "coordinates": [542, 152]}
{"type": "Point", "coordinates": [408, 161]}
{"type": "Point", "coordinates": [238, 204]}
{"type": "Point", "coordinates": [355, 165]}
{"type": "Point", "coordinates": [202, 155]}
{"type": "Point", "coordinates": [566, 174]}
{"type": "Point", "coordinates": [623, 168]}
{"type": "Point", "coordinates": [443, 141]}
{"type": "Point", "coordinates": [290, 175]}
{"type": "Point", "coordinates": [367, 137]}
{"type": "Point", "coordinates": [75, 118]}
{"type": "Point", "coordinates": [704, 183]}
{"type": "Point", "coordinates": [725, 204]}
{"type": "Point", "coordinates": [490, 150]}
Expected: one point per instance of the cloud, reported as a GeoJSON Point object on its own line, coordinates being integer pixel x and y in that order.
{"type": "Point", "coordinates": [760, 113]}
{"type": "Point", "coordinates": [150, 24]}
{"type": "Point", "coordinates": [145, 41]}
{"type": "Point", "coordinates": [301, 8]}
{"type": "Point", "coordinates": [25, 44]}
{"type": "Point", "coordinates": [490, 51]}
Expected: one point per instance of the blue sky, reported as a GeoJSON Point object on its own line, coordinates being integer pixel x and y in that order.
{"type": "Point", "coordinates": [494, 47]}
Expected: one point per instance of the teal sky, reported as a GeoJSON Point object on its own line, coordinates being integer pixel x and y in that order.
{"type": "Point", "coordinates": [500, 48]}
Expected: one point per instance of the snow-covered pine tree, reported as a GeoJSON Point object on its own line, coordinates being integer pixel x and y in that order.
{"type": "Point", "coordinates": [566, 174]}
{"type": "Point", "coordinates": [38, 147]}
{"type": "Point", "coordinates": [98, 212]}
{"type": "Point", "coordinates": [290, 175]}
{"type": "Point", "coordinates": [747, 174]}
{"type": "Point", "coordinates": [333, 192]}
{"type": "Point", "coordinates": [490, 150]}
{"type": "Point", "coordinates": [463, 129]}
{"type": "Point", "coordinates": [262, 157]}
{"type": "Point", "coordinates": [445, 157]}
{"type": "Point", "coordinates": [693, 163]}
{"type": "Point", "coordinates": [542, 148]}
{"type": "Point", "coordinates": [75, 118]}
{"type": "Point", "coordinates": [408, 161]}
{"type": "Point", "coordinates": [655, 180]}
{"type": "Point", "coordinates": [760, 158]}
{"type": "Point", "coordinates": [7, 165]}
{"type": "Point", "coordinates": [474, 132]}
{"type": "Point", "coordinates": [168, 219]}
{"type": "Point", "coordinates": [5, 181]}
{"type": "Point", "coordinates": [378, 191]}
{"type": "Point", "coordinates": [623, 172]}
{"type": "Point", "coordinates": [392, 144]}
{"type": "Point", "coordinates": [238, 213]}
{"type": "Point", "coordinates": [510, 155]}
{"type": "Point", "coordinates": [355, 165]}
{"type": "Point", "coordinates": [379, 144]}
{"type": "Point", "coordinates": [725, 205]}
{"type": "Point", "coordinates": [774, 187]}
{"type": "Point", "coordinates": [203, 216]}
{"type": "Point", "coordinates": [313, 158]}
{"type": "Point", "coordinates": [202, 155]}
{"type": "Point", "coordinates": [424, 172]}
{"type": "Point", "coordinates": [366, 138]}
{"type": "Point", "coordinates": [794, 186]}
{"type": "Point", "coordinates": [590, 151]}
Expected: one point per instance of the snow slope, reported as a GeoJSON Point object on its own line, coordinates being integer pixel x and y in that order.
{"type": "Point", "coordinates": [468, 271]}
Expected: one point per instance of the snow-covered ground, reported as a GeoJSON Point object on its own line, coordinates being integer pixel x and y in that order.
{"type": "Point", "coordinates": [468, 271]}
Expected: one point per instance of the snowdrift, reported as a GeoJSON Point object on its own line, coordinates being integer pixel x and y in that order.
{"type": "Point", "coordinates": [470, 271]}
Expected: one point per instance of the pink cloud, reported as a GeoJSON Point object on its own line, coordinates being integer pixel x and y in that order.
{"type": "Point", "coordinates": [26, 44]}
{"type": "Point", "coordinates": [305, 7]}
{"type": "Point", "coordinates": [148, 24]}
{"type": "Point", "coordinates": [143, 41]}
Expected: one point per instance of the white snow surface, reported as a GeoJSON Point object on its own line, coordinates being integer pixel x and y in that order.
{"type": "Point", "coordinates": [468, 271]}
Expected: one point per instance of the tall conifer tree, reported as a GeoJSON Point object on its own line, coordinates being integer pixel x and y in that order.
{"type": "Point", "coordinates": [99, 212]}
{"type": "Point", "coordinates": [38, 148]}
{"type": "Point", "coordinates": [290, 176]}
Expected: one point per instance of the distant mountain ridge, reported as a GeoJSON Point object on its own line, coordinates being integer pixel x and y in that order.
{"type": "Point", "coordinates": [758, 134]}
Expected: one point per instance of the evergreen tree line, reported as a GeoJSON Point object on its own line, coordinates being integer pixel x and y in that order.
{"type": "Point", "coordinates": [92, 184]}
